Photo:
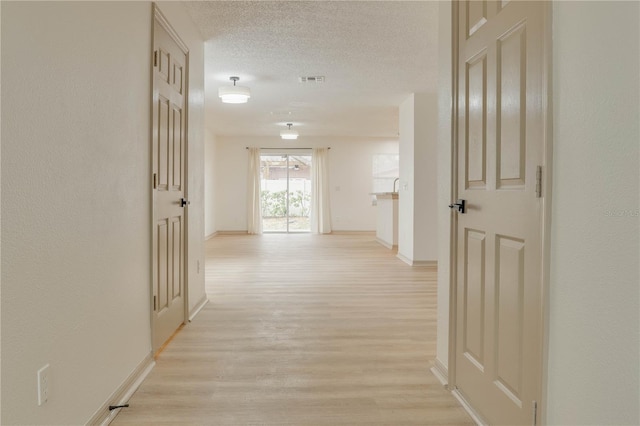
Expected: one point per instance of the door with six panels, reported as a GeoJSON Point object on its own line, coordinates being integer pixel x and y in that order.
{"type": "Point", "coordinates": [168, 180]}
{"type": "Point", "coordinates": [499, 237]}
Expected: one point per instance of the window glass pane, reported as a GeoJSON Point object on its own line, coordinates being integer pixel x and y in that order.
{"type": "Point", "coordinates": [386, 168]}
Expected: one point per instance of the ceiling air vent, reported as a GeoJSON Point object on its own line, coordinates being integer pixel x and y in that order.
{"type": "Point", "coordinates": [312, 79]}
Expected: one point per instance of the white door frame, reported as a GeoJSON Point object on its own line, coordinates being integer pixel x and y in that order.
{"type": "Point", "coordinates": [158, 16]}
{"type": "Point", "coordinates": [546, 196]}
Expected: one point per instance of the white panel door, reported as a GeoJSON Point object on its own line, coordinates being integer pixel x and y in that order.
{"type": "Point", "coordinates": [499, 237]}
{"type": "Point", "coordinates": [169, 100]}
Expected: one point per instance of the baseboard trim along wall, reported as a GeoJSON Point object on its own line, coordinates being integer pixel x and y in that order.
{"type": "Point", "coordinates": [417, 262]}
{"type": "Point", "coordinates": [386, 244]}
{"type": "Point", "coordinates": [241, 232]}
{"type": "Point", "coordinates": [431, 263]}
{"type": "Point", "coordinates": [441, 373]}
{"type": "Point", "coordinates": [334, 232]}
{"type": "Point", "coordinates": [121, 395]}
{"type": "Point", "coordinates": [210, 236]}
{"type": "Point", "coordinates": [196, 309]}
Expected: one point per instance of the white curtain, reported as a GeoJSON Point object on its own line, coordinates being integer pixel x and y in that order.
{"type": "Point", "coordinates": [254, 210]}
{"type": "Point", "coordinates": [320, 208]}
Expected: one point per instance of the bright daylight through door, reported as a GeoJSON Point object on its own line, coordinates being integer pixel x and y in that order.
{"type": "Point", "coordinates": [285, 190]}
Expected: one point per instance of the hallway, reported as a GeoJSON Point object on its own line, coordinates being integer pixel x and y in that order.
{"type": "Point", "coordinates": [302, 329]}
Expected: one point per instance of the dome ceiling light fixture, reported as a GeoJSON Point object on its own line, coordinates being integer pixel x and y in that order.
{"type": "Point", "coordinates": [289, 134]}
{"type": "Point", "coordinates": [234, 94]}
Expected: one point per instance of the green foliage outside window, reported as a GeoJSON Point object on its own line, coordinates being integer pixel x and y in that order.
{"type": "Point", "coordinates": [274, 203]}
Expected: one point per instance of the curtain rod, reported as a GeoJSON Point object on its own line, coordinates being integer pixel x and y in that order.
{"type": "Point", "coordinates": [246, 147]}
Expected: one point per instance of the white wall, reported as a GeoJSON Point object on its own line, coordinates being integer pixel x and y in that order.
{"type": "Point", "coordinates": [76, 200]}
{"type": "Point", "coordinates": [594, 310]}
{"type": "Point", "coordinates": [351, 170]}
{"type": "Point", "coordinates": [425, 176]}
{"type": "Point", "coordinates": [210, 149]}
{"type": "Point", "coordinates": [406, 190]}
{"type": "Point", "coordinates": [417, 211]}
{"type": "Point", "coordinates": [350, 177]}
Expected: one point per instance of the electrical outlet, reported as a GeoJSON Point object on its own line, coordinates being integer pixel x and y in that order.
{"type": "Point", "coordinates": [43, 384]}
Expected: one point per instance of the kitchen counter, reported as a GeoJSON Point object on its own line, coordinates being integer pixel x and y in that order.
{"type": "Point", "coordinates": [387, 219]}
{"type": "Point", "coordinates": [392, 195]}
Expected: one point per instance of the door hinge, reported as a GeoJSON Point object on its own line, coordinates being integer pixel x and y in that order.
{"type": "Point", "coordinates": [155, 58]}
{"type": "Point", "coordinates": [154, 303]}
{"type": "Point", "coordinates": [535, 413]}
{"type": "Point", "coordinates": [155, 180]}
{"type": "Point", "coordinates": [539, 182]}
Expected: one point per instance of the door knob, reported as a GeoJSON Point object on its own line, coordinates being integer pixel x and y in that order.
{"type": "Point", "coordinates": [460, 205]}
{"type": "Point", "coordinates": [184, 202]}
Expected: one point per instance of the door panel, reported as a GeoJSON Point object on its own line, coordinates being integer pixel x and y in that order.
{"type": "Point", "coordinates": [511, 111]}
{"type": "Point", "coordinates": [474, 309]}
{"type": "Point", "coordinates": [176, 143]}
{"type": "Point", "coordinates": [476, 125]}
{"type": "Point", "coordinates": [162, 253]}
{"type": "Point", "coordinates": [476, 16]}
{"type": "Point", "coordinates": [509, 313]}
{"type": "Point", "coordinates": [499, 238]}
{"type": "Point", "coordinates": [176, 258]}
{"type": "Point", "coordinates": [162, 142]}
{"type": "Point", "coordinates": [169, 101]}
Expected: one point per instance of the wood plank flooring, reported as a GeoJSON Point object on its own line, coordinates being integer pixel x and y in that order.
{"type": "Point", "coordinates": [303, 329]}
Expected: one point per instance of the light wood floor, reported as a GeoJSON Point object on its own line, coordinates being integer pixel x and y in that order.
{"type": "Point", "coordinates": [303, 330]}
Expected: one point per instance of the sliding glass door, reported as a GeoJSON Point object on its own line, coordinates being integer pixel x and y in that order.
{"type": "Point", "coordinates": [285, 192]}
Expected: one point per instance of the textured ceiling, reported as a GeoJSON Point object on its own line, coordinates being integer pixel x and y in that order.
{"type": "Point", "coordinates": [373, 54]}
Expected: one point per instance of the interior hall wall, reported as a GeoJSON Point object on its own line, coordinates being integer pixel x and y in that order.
{"type": "Point", "coordinates": [76, 232]}
{"type": "Point", "coordinates": [594, 362]}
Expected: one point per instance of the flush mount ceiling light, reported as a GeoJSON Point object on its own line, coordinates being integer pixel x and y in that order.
{"type": "Point", "coordinates": [289, 134]}
{"type": "Point", "coordinates": [234, 94]}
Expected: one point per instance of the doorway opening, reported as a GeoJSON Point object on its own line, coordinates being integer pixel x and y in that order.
{"type": "Point", "coordinates": [285, 191]}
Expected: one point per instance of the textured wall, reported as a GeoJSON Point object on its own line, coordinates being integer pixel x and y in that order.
{"type": "Point", "coordinates": [594, 309]}
{"type": "Point", "coordinates": [75, 207]}
{"type": "Point", "coordinates": [209, 183]}
{"type": "Point", "coordinates": [406, 198]}
{"type": "Point", "coordinates": [417, 210]}
{"type": "Point", "coordinates": [75, 210]}
{"type": "Point", "coordinates": [425, 227]}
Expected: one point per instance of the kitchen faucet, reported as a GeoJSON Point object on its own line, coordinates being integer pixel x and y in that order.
{"type": "Point", "coordinates": [394, 184]}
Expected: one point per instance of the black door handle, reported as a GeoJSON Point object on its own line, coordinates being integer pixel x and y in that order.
{"type": "Point", "coordinates": [460, 205]}
{"type": "Point", "coordinates": [184, 202]}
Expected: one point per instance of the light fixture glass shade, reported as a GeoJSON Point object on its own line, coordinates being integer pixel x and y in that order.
{"type": "Point", "coordinates": [288, 134]}
{"type": "Point", "coordinates": [234, 94]}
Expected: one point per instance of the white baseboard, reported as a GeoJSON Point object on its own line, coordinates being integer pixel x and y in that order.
{"type": "Point", "coordinates": [412, 262]}
{"type": "Point", "coordinates": [431, 263]}
{"type": "Point", "coordinates": [124, 392]}
{"type": "Point", "coordinates": [196, 309]}
{"type": "Point", "coordinates": [345, 232]}
{"type": "Point", "coordinates": [441, 373]}
{"type": "Point", "coordinates": [405, 259]}
{"type": "Point", "coordinates": [468, 408]}
{"type": "Point", "coordinates": [210, 236]}
{"type": "Point", "coordinates": [386, 244]}
{"type": "Point", "coordinates": [240, 232]}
